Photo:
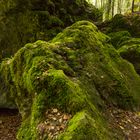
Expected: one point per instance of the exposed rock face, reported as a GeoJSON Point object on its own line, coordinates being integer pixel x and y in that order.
{"type": "Point", "coordinates": [29, 20]}
{"type": "Point", "coordinates": [77, 72]}
{"type": "Point", "coordinates": [130, 50]}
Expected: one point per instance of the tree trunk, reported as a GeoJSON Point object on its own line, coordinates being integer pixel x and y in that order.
{"type": "Point", "coordinates": [133, 1]}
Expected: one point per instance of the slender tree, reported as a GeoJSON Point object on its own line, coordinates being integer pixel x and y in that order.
{"type": "Point", "coordinates": [133, 1]}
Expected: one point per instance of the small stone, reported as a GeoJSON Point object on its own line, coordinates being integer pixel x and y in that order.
{"type": "Point", "coordinates": [1, 122]}
{"type": "Point", "coordinates": [58, 114]}
{"type": "Point", "coordinates": [54, 118]}
{"type": "Point", "coordinates": [102, 77]}
{"type": "Point", "coordinates": [55, 110]}
{"type": "Point", "coordinates": [65, 117]}
{"type": "Point", "coordinates": [51, 128]}
{"type": "Point", "coordinates": [60, 120]}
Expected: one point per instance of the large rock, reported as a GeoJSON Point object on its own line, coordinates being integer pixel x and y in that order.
{"type": "Point", "coordinates": [130, 50]}
{"type": "Point", "coordinates": [118, 37]}
{"type": "Point", "coordinates": [79, 73]}
{"type": "Point", "coordinates": [29, 20]}
{"type": "Point", "coordinates": [120, 22]}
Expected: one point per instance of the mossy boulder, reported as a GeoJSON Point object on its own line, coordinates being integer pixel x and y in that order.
{"type": "Point", "coordinates": [130, 50]}
{"type": "Point", "coordinates": [79, 73]}
{"type": "Point", "coordinates": [120, 22]}
{"type": "Point", "coordinates": [135, 26]}
{"type": "Point", "coordinates": [118, 37]}
{"type": "Point", "coordinates": [30, 20]}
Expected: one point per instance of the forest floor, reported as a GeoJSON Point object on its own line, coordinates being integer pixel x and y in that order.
{"type": "Point", "coordinates": [128, 122]}
{"type": "Point", "coordinates": [9, 123]}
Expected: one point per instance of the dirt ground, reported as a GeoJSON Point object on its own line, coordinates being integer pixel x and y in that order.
{"type": "Point", "coordinates": [9, 124]}
{"type": "Point", "coordinates": [127, 122]}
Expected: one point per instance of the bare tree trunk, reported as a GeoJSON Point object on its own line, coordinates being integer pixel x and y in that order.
{"type": "Point", "coordinates": [108, 6]}
{"type": "Point", "coordinates": [133, 1]}
{"type": "Point", "coordinates": [113, 4]}
{"type": "Point", "coordinates": [96, 3]}
{"type": "Point", "coordinates": [119, 7]}
{"type": "Point", "coordinates": [139, 5]}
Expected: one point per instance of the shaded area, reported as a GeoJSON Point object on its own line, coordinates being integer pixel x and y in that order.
{"type": "Point", "coordinates": [27, 21]}
{"type": "Point", "coordinates": [10, 120]}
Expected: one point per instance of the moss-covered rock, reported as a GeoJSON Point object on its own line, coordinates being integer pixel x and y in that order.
{"type": "Point", "coordinates": [130, 50]}
{"type": "Point", "coordinates": [79, 73]}
{"type": "Point", "coordinates": [30, 20]}
{"type": "Point", "coordinates": [120, 22]}
{"type": "Point", "coordinates": [118, 37]}
{"type": "Point", "coordinates": [82, 126]}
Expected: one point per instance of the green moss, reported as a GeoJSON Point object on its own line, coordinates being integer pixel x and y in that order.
{"type": "Point", "coordinates": [77, 70]}
{"type": "Point", "coordinates": [82, 126]}
{"type": "Point", "coordinates": [120, 22]}
{"type": "Point", "coordinates": [135, 29]}
{"type": "Point", "coordinates": [118, 37]}
{"type": "Point", "coordinates": [28, 20]}
{"type": "Point", "coordinates": [130, 50]}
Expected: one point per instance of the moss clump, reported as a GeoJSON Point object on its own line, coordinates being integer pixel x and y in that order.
{"type": "Point", "coordinates": [78, 72]}
{"type": "Point", "coordinates": [118, 37]}
{"type": "Point", "coordinates": [31, 20]}
{"type": "Point", "coordinates": [130, 50]}
{"type": "Point", "coordinates": [120, 22]}
{"type": "Point", "coordinates": [91, 128]}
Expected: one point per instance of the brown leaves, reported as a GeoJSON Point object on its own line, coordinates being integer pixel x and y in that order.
{"type": "Point", "coordinates": [55, 123]}
{"type": "Point", "coordinates": [128, 122]}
